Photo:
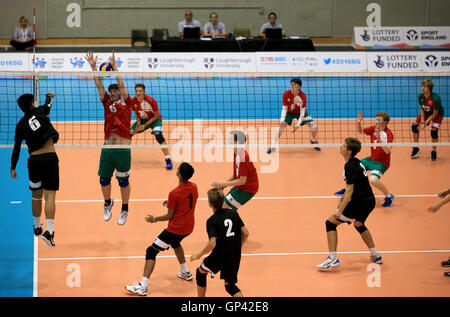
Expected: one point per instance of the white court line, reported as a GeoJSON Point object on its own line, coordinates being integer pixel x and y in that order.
{"type": "Point", "coordinates": [35, 267]}
{"type": "Point", "coordinates": [255, 198]}
{"type": "Point", "coordinates": [245, 254]}
{"type": "Point", "coordinates": [204, 199]}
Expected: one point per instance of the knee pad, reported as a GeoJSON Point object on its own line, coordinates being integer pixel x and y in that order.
{"type": "Point", "coordinates": [200, 278]}
{"type": "Point", "coordinates": [105, 181]}
{"type": "Point", "coordinates": [123, 182]}
{"type": "Point", "coordinates": [415, 127]}
{"type": "Point", "coordinates": [330, 226]}
{"type": "Point", "coordinates": [151, 253]}
{"type": "Point", "coordinates": [361, 229]}
{"type": "Point", "coordinates": [159, 137]}
{"type": "Point", "coordinates": [232, 289]}
{"type": "Point", "coordinates": [434, 134]}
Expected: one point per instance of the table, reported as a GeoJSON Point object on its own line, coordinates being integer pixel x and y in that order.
{"type": "Point", "coordinates": [231, 45]}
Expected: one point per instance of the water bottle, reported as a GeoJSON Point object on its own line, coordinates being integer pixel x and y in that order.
{"type": "Point", "coordinates": [164, 34]}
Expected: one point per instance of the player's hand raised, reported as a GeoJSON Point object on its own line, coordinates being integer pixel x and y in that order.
{"type": "Point", "coordinates": [91, 59]}
{"type": "Point", "coordinates": [360, 117]}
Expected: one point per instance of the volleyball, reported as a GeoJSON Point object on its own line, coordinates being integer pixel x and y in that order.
{"type": "Point", "coordinates": [105, 67]}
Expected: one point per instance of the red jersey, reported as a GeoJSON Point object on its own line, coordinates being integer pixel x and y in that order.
{"type": "Point", "coordinates": [145, 109]}
{"type": "Point", "coordinates": [243, 166]}
{"type": "Point", "coordinates": [182, 200]}
{"type": "Point", "coordinates": [377, 153]}
{"type": "Point", "coordinates": [294, 103]}
{"type": "Point", "coordinates": [117, 116]}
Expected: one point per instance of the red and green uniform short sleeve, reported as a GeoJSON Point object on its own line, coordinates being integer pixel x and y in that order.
{"type": "Point", "coordinates": [117, 116]}
{"type": "Point", "coordinates": [294, 103]}
{"type": "Point", "coordinates": [243, 166]}
{"type": "Point", "coordinates": [182, 200]}
{"type": "Point", "coordinates": [433, 102]}
{"type": "Point", "coordinates": [145, 109]}
{"type": "Point", "coordinates": [377, 153]}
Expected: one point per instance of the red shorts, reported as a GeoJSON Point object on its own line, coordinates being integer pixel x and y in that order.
{"type": "Point", "coordinates": [436, 121]}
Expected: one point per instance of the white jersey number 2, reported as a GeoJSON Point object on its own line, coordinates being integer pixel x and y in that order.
{"type": "Point", "coordinates": [228, 223]}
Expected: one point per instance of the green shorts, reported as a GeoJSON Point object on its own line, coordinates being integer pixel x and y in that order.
{"type": "Point", "coordinates": [115, 159]}
{"type": "Point", "coordinates": [290, 116]}
{"type": "Point", "coordinates": [237, 198]}
{"type": "Point", "coordinates": [156, 126]}
{"type": "Point", "coordinates": [377, 168]}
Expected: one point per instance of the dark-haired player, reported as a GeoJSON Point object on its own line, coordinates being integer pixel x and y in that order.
{"type": "Point", "coordinates": [354, 207]}
{"type": "Point", "coordinates": [294, 107]}
{"type": "Point", "coordinates": [380, 157]}
{"type": "Point", "coordinates": [244, 180]}
{"type": "Point", "coordinates": [43, 169]}
{"type": "Point", "coordinates": [148, 117]}
{"type": "Point", "coordinates": [431, 111]}
{"type": "Point", "coordinates": [117, 105]}
{"type": "Point", "coordinates": [227, 233]}
{"type": "Point", "coordinates": [180, 214]}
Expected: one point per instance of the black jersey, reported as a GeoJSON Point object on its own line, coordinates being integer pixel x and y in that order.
{"type": "Point", "coordinates": [355, 173]}
{"type": "Point", "coordinates": [35, 128]}
{"type": "Point", "coordinates": [225, 225]}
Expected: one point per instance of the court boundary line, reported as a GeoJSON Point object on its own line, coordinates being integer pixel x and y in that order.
{"type": "Point", "coordinates": [35, 267]}
{"type": "Point", "coordinates": [15, 202]}
{"type": "Point", "coordinates": [244, 254]}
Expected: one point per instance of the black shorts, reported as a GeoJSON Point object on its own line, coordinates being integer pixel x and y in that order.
{"type": "Point", "coordinates": [43, 171]}
{"type": "Point", "coordinates": [227, 265]}
{"type": "Point", "coordinates": [358, 210]}
{"type": "Point", "coordinates": [167, 239]}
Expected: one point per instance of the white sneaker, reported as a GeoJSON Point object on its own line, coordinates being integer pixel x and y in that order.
{"type": "Point", "coordinates": [107, 210]}
{"type": "Point", "coordinates": [329, 263]}
{"type": "Point", "coordinates": [185, 276]}
{"type": "Point", "coordinates": [122, 217]}
{"type": "Point", "coordinates": [137, 289]}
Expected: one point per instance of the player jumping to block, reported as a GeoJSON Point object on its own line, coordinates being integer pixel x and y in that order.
{"type": "Point", "coordinates": [244, 181]}
{"type": "Point", "coordinates": [354, 207]}
{"type": "Point", "coordinates": [148, 117]}
{"type": "Point", "coordinates": [180, 214]}
{"type": "Point", "coordinates": [431, 111]}
{"type": "Point", "coordinates": [380, 158]}
{"type": "Point", "coordinates": [227, 234]}
{"type": "Point", "coordinates": [117, 105]}
{"type": "Point", "coordinates": [43, 167]}
{"type": "Point", "coordinates": [294, 107]}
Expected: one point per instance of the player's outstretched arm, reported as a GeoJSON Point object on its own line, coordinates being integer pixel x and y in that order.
{"type": "Point", "coordinates": [439, 204]}
{"type": "Point", "coordinates": [123, 89]}
{"type": "Point", "coordinates": [98, 82]}
{"type": "Point", "coordinates": [359, 123]}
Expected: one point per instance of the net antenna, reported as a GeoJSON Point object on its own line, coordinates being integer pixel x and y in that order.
{"type": "Point", "coordinates": [35, 78]}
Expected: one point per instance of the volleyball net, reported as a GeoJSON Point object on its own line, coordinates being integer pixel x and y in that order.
{"type": "Point", "coordinates": [199, 110]}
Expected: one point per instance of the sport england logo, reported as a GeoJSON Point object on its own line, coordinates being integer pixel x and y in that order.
{"type": "Point", "coordinates": [379, 62]}
{"type": "Point", "coordinates": [153, 62]}
{"type": "Point", "coordinates": [431, 61]}
{"type": "Point", "coordinates": [365, 36]}
{"type": "Point", "coordinates": [412, 35]}
{"type": "Point", "coordinates": [39, 62]}
{"type": "Point", "coordinates": [77, 62]}
{"type": "Point", "coordinates": [208, 63]}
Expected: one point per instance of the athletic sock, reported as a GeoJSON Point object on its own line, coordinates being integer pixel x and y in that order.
{"type": "Point", "coordinates": [184, 268]}
{"type": "Point", "coordinates": [37, 221]}
{"type": "Point", "coordinates": [167, 157]}
{"type": "Point", "coordinates": [373, 251]}
{"type": "Point", "coordinates": [50, 225]}
{"type": "Point", "coordinates": [333, 255]}
{"type": "Point", "coordinates": [389, 195]}
{"type": "Point", "coordinates": [124, 207]}
{"type": "Point", "coordinates": [144, 282]}
{"type": "Point", "coordinates": [108, 201]}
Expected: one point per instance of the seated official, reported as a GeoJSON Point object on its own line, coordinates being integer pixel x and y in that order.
{"type": "Point", "coordinates": [272, 24]}
{"type": "Point", "coordinates": [214, 28]}
{"type": "Point", "coordinates": [23, 36]}
{"type": "Point", "coordinates": [188, 23]}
